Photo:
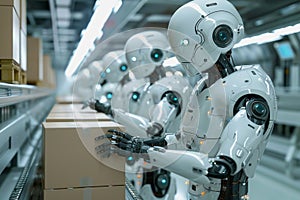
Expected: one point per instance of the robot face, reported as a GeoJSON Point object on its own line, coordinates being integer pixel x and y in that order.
{"type": "Point", "coordinates": [213, 27]}
{"type": "Point", "coordinates": [145, 51]}
{"type": "Point", "coordinates": [115, 66]}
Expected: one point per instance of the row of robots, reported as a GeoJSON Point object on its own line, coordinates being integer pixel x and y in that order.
{"type": "Point", "coordinates": [193, 130]}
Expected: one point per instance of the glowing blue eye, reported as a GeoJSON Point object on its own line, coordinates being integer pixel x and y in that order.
{"type": "Point", "coordinates": [123, 68]}
{"type": "Point", "coordinates": [109, 95]}
{"type": "Point", "coordinates": [108, 70]}
{"type": "Point", "coordinates": [163, 181]}
{"type": "Point", "coordinates": [135, 96]}
{"type": "Point", "coordinates": [156, 55]}
{"type": "Point", "coordinates": [130, 158]}
{"type": "Point", "coordinates": [175, 99]}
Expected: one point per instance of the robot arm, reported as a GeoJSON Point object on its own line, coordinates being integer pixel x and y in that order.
{"type": "Point", "coordinates": [134, 123]}
{"type": "Point", "coordinates": [153, 151]}
{"type": "Point", "coordinates": [241, 142]}
{"type": "Point", "coordinates": [244, 138]}
{"type": "Point", "coordinates": [164, 112]}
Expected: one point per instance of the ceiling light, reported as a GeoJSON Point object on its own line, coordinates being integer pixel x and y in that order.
{"type": "Point", "coordinates": [270, 36]}
{"type": "Point", "coordinates": [102, 11]}
{"type": "Point", "coordinates": [288, 30]}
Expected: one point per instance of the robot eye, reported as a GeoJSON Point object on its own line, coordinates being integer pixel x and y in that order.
{"type": "Point", "coordinates": [222, 36]}
{"type": "Point", "coordinates": [123, 67]}
{"type": "Point", "coordinates": [156, 55]}
{"type": "Point", "coordinates": [109, 95]}
{"type": "Point", "coordinates": [172, 98]}
{"type": "Point", "coordinates": [135, 96]}
{"type": "Point", "coordinates": [162, 181]}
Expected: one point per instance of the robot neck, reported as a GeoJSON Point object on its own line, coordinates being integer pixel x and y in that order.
{"type": "Point", "coordinates": [224, 66]}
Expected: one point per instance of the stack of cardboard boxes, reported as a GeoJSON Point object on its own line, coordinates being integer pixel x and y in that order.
{"type": "Point", "coordinates": [34, 60]}
{"type": "Point", "coordinates": [39, 70]}
{"type": "Point", "coordinates": [72, 167]}
{"type": "Point", "coordinates": [13, 41]}
{"type": "Point", "coordinates": [21, 57]}
{"type": "Point", "coordinates": [49, 77]}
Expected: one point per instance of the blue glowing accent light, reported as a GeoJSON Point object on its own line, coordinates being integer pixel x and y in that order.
{"type": "Point", "coordinates": [175, 99]}
{"type": "Point", "coordinates": [130, 158]}
{"type": "Point", "coordinates": [134, 97]}
{"type": "Point", "coordinates": [108, 70]}
{"type": "Point", "coordinates": [109, 95]}
{"type": "Point", "coordinates": [163, 181]}
{"type": "Point", "coordinates": [123, 68]}
{"type": "Point", "coordinates": [156, 55]}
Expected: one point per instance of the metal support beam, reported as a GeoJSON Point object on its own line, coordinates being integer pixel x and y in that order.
{"type": "Point", "coordinates": [54, 26]}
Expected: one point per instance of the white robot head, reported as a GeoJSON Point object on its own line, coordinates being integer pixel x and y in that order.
{"type": "Point", "coordinates": [95, 68]}
{"type": "Point", "coordinates": [146, 50]}
{"type": "Point", "coordinates": [115, 66]}
{"type": "Point", "coordinates": [200, 31]}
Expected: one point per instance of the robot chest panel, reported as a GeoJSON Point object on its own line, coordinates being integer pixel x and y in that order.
{"type": "Point", "coordinates": [203, 122]}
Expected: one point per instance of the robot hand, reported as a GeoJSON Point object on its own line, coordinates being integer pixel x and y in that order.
{"type": "Point", "coordinates": [102, 107]}
{"type": "Point", "coordinates": [124, 144]}
{"type": "Point", "coordinates": [89, 103]}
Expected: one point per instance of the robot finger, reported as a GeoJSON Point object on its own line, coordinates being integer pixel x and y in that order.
{"type": "Point", "coordinates": [103, 147]}
{"type": "Point", "coordinates": [85, 105]}
{"type": "Point", "coordinates": [122, 134]}
{"type": "Point", "coordinates": [123, 146]}
{"type": "Point", "coordinates": [111, 137]}
{"type": "Point", "coordinates": [101, 137]}
{"type": "Point", "coordinates": [123, 153]}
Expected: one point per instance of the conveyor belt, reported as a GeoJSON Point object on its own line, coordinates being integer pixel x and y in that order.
{"type": "Point", "coordinates": [131, 193]}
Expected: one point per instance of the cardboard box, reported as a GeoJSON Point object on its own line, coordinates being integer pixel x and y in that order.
{"type": "Point", "coordinates": [90, 193]}
{"type": "Point", "coordinates": [70, 159]}
{"type": "Point", "coordinates": [10, 34]}
{"type": "Point", "coordinates": [12, 3]}
{"type": "Point", "coordinates": [70, 108]}
{"type": "Point", "coordinates": [23, 50]}
{"type": "Point", "coordinates": [68, 99]}
{"type": "Point", "coordinates": [76, 116]}
{"type": "Point", "coordinates": [34, 60]}
{"type": "Point", "coordinates": [49, 77]}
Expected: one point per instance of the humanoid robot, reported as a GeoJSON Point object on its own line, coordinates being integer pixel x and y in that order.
{"type": "Point", "coordinates": [144, 104]}
{"type": "Point", "coordinates": [231, 113]}
{"type": "Point", "coordinates": [153, 108]}
{"type": "Point", "coordinates": [116, 69]}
